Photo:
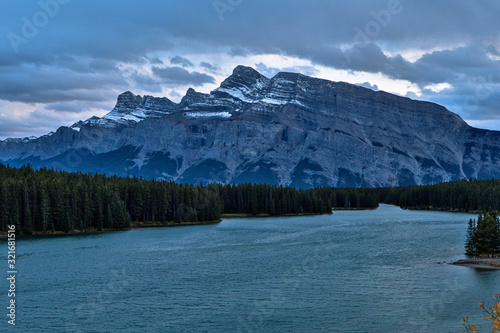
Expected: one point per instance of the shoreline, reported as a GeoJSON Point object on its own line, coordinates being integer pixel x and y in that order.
{"type": "Point", "coordinates": [231, 215]}
{"type": "Point", "coordinates": [438, 209]}
{"type": "Point", "coordinates": [142, 225]}
{"type": "Point", "coordinates": [170, 224]}
{"type": "Point", "coordinates": [480, 263]}
{"type": "Point", "coordinates": [132, 227]}
{"type": "Point", "coordinates": [352, 209]}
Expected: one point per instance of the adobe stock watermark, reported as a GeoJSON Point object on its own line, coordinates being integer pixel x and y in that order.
{"type": "Point", "coordinates": [31, 26]}
{"type": "Point", "coordinates": [424, 317]}
{"type": "Point", "coordinates": [485, 88]}
{"type": "Point", "coordinates": [373, 28]}
{"type": "Point", "coordinates": [291, 279]}
{"type": "Point", "coordinates": [223, 6]}
{"type": "Point", "coordinates": [76, 157]}
{"type": "Point", "coordinates": [86, 313]}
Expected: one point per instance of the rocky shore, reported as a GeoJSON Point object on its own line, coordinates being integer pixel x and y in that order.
{"type": "Point", "coordinates": [479, 263]}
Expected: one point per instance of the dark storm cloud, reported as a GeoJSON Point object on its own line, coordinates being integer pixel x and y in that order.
{"type": "Point", "coordinates": [74, 54]}
{"type": "Point", "coordinates": [435, 67]}
{"type": "Point", "coordinates": [239, 51]}
{"type": "Point", "coordinates": [477, 98]}
{"type": "Point", "coordinates": [146, 82]}
{"type": "Point", "coordinates": [155, 61]}
{"type": "Point", "coordinates": [84, 65]}
{"type": "Point", "coordinates": [67, 107]}
{"type": "Point", "coordinates": [272, 71]}
{"type": "Point", "coordinates": [178, 60]}
{"type": "Point", "coordinates": [102, 65]}
{"type": "Point", "coordinates": [47, 84]}
{"type": "Point", "coordinates": [209, 67]}
{"type": "Point", "coordinates": [180, 76]}
{"type": "Point", "coordinates": [128, 31]}
{"type": "Point", "coordinates": [447, 66]}
{"type": "Point", "coordinates": [77, 106]}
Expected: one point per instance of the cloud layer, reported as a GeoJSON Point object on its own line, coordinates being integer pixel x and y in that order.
{"type": "Point", "coordinates": [68, 57]}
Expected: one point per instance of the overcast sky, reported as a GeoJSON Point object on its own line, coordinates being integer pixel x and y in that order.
{"type": "Point", "coordinates": [66, 60]}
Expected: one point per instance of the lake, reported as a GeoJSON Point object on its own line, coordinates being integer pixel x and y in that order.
{"type": "Point", "coordinates": [353, 271]}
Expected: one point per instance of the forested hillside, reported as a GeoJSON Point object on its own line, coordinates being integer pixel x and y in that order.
{"type": "Point", "coordinates": [47, 200]}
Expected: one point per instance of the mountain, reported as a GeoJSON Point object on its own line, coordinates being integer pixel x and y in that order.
{"type": "Point", "coordinates": [290, 129]}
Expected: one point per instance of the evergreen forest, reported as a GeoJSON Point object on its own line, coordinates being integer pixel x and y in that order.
{"type": "Point", "coordinates": [47, 200]}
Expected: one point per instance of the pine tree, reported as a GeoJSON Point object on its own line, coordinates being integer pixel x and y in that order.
{"type": "Point", "coordinates": [66, 225]}
{"type": "Point", "coordinates": [254, 202]}
{"type": "Point", "coordinates": [496, 246]}
{"type": "Point", "coordinates": [108, 218]}
{"type": "Point", "coordinates": [120, 217]}
{"type": "Point", "coordinates": [470, 247]}
{"type": "Point", "coordinates": [4, 205]}
{"type": "Point", "coordinates": [14, 215]}
{"type": "Point", "coordinates": [27, 225]}
{"type": "Point", "coordinates": [97, 211]}
{"type": "Point", "coordinates": [44, 210]}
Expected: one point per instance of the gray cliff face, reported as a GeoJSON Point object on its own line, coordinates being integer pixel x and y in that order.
{"type": "Point", "coordinates": [290, 129]}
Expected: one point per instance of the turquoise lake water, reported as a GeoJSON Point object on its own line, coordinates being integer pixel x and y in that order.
{"type": "Point", "coordinates": [358, 271]}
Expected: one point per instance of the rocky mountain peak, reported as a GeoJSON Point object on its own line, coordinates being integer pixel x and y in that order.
{"type": "Point", "coordinates": [127, 101]}
{"type": "Point", "coordinates": [246, 71]}
{"type": "Point", "coordinates": [244, 77]}
{"type": "Point", "coordinates": [131, 108]}
{"type": "Point", "coordinates": [192, 96]}
{"type": "Point", "coordinates": [245, 84]}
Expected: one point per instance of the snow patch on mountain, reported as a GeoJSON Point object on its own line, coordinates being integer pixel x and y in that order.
{"type": "Point", "coordinates": [207, 114]}
{"type": "Point", "coordinates": [274, 101]}
{"type": "Point", "coordinates": [237, 93]}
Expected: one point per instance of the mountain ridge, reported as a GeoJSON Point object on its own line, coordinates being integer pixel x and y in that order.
{"type": "Point", "coordinates": [290, 129]}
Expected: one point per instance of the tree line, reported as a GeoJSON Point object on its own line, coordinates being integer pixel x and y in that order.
{"type": "Point", "coordinates": [49, 200]}
{"type": "Point", "coordinates": [464, 195]}
{"type": "Point", "coordinates": [45, 200]}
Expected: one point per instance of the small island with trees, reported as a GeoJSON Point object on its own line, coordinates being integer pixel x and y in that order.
{"type": "Point", "coordinates": [483, 242]}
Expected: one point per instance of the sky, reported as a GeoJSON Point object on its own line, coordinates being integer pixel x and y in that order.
{"type": "Point", "coordinates": [67, 60]}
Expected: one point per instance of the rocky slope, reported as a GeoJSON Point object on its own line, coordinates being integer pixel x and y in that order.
{"type": "Point", "coordinates": [290, 129]}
